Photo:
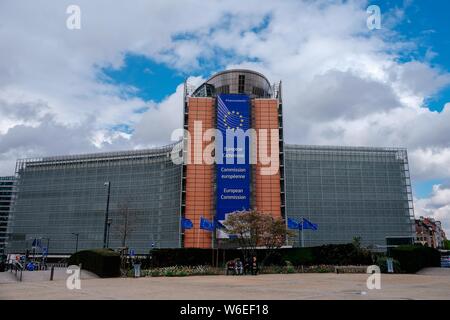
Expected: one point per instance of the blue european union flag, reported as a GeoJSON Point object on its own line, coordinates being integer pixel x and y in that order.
{"type": "Point", "coordinates": [309, 225]}
{"type": "Point", "coordinates": [205, 224]}
{"type": "Point", "coordinates": [292, 224]}
{"type": "Point", "coordinates": [218, 224]}
{"type": "Point", "coordinates": [186, 223]}
{"type": "Point", "coordinates": [36, 243]}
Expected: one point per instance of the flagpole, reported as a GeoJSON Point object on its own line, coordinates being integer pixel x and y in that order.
{"type": "Point", "coordinates": [303, 240]}
{"type": "Point", "coordinates": [212, 246]}
{"type": "Point", "coordinates": [198, 235]}
{"type": "Point", "coordinates": [303, 230]}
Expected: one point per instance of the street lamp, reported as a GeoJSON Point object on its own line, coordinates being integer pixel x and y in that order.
{"type": "Point", "coordinates": [109, 231]}
{"type": "Point", "coordinates": [76, 245]}
{"type": "Point", "coordinates": [105, 232]}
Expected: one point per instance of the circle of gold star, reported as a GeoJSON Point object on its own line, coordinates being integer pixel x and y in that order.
{"type": "Point", "coordinates": [225, 118]}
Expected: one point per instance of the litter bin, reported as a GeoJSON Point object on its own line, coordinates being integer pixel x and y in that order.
{"type": "Point", "coordinates": [137, 270]}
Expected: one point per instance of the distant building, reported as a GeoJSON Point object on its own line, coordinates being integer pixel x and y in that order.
{"type": "Point", "coordinates": [6, 201]}
{"type": "Point", "coordinates": [429, 233]}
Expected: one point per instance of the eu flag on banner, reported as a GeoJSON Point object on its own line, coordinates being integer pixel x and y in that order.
{"type": "Point", "coordinates": [309, 225]}
{"type": "Point", "coordinates": [186, 223]}
{"type": "Point", "coordinates": [292, 224]}
{"type": "Point", "coordinates": [205, 224]}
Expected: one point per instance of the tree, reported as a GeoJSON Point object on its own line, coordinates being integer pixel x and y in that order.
{"type": "Point", "coordinates": [125, 221]}
{"type": "Point", "coordinates": [357, 242]}
{"type": "Point", "coordinates": [253, 229]}
{"type": "Point", "coordinates": [447, 244]}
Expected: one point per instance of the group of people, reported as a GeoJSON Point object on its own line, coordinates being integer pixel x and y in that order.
{"type": "Point", "coordinates": [237, 267]}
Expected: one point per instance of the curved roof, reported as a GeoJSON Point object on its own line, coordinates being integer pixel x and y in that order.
{"type": "Point", "coordinates": [235, 81]}
{"type": "Point", "coordinates": [221, 73]}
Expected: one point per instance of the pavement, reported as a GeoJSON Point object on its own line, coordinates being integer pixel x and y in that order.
{"type": "Point", "coordinates": [435, 284]}
{"type": "Point", "coordinates": [42, 276]}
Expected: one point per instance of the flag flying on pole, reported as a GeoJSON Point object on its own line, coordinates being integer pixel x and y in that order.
{"type": "Point", "coordinates": [292, 224]}
{"type": "Point", "coordinates": [36, 243]}
{"type": "Point", "coordinates": [218, 224]}
{"type": "Point", "coordinates": [309, 225]}
{"type": "Point", "coordinates": [186, 223]}
{"type": "Point", "coordinates": [205, 224]}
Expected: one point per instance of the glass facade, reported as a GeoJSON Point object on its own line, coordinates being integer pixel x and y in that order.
{"type": "Point", "coordinates": [241, 81]}
{"type": "Point", "coordinates": [6, 199]}
{"type": "Point", "coordinates": [349, 192]}
{"type": "Point", "coordinates": [62, 196]}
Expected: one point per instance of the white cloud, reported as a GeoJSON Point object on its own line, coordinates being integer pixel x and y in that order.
{"type": "Point", "coordinates": [436, 206]}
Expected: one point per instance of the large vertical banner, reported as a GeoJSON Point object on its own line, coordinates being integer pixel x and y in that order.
{"type": "Point", "coordinates": [233, 174]}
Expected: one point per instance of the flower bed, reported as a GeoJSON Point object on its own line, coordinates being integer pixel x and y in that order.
{"type": "Point", "coordinates": [183, 271]}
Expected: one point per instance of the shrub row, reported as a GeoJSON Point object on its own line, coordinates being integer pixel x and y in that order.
{"type": "Point", "coordinates": [103, 262]}
{"type": "Point", "coordinates": [170, 262]}
{"type": "Point", "coordinates": [414, 258]}
{"type": "Point", "coordinates": [342, 254]}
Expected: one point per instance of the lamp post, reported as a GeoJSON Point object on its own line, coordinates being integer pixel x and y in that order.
{"type": "Point", "coordinates": [76, 243]}
{"type": "Point", "coordinates": [105, 232]}
{"type": "Point", "coordinates": [109, 231]}
{"type": "Point", "coordinates": [45, 254]}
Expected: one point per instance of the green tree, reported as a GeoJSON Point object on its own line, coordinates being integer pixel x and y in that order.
{"type": "Point", "coordinates": [357, 242]}
{"type": "Point", "coordinates": [447, 244]}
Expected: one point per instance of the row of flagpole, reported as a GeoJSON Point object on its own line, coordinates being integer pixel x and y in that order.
{"type": "Point", "coordinates": [211, 226]}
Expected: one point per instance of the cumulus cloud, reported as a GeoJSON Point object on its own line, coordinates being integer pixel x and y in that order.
{"type": "Point", "coordinates": [436, 206]}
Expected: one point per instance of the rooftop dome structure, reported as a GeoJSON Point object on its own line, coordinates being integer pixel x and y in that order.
{"type": "Point", "coordinates": [243, 81]}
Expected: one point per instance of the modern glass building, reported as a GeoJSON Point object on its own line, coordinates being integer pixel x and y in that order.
{"type": "Point", "coordinates": [347, 191]}
{"type": "Point", "coordinates": [350, 192]}
{"type": "Point", "coordinates": [61, 197]}
{"type": "Point", "coordinates": [6, 199]}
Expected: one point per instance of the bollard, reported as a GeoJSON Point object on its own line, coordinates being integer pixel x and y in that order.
{"type": "Point", "coordinates": [52, 271]}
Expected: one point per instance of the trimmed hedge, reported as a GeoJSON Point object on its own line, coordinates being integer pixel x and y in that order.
{"type": "Point", "coordinates": [103, 262]}
{"type": "Point", "coordinates": [341, 254]}
{"type": "Point", "coordinates": [412, 258]}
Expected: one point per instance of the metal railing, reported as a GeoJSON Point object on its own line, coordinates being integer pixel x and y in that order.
{"type": "Point", "coordinates": [17, 268]}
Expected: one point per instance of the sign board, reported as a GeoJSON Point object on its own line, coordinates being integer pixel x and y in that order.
{"type": "Point", "coordinates": [132, 253]}
{"type": "Point", "coordinates": [445, 261]}
{"type": "Point", "coordinates": [233, 154]}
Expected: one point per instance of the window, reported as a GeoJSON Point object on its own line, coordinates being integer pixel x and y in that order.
{"type": "Point", "coordinates": [241, 83]}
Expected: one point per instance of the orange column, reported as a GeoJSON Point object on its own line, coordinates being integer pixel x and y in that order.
{"type": "Point", "coordinates": [199, 177]}
{"type": "Point", "coordinates": [267, 187]}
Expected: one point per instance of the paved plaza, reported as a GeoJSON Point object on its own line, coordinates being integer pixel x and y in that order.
{"type": "Point", "coordinates": [430, 284]}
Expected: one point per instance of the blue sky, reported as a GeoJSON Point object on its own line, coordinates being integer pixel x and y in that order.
{"type": "Point", "coordinates": [154, 81]}
{"type": "Point", "coordinates": [427, 25]}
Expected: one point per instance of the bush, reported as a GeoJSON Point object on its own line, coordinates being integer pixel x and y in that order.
{"type": "Point", "coordinates": [337, 254]}
{"type": "Point", "coordinates": [412, 258]}
{"type": "Point", "coordinates": [382, 263]}
{"type": "Point", "coordinates": [103, 262]}
{"type": "Point", "coordinates": [182, 271]}
{"type": "Point", "coordinates": [289, 267]}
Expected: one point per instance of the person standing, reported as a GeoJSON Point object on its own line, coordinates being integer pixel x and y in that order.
{"type": "Point", "coordinates": [239, 267]}
{"type": "Point", "coordinates": [254, 266]}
